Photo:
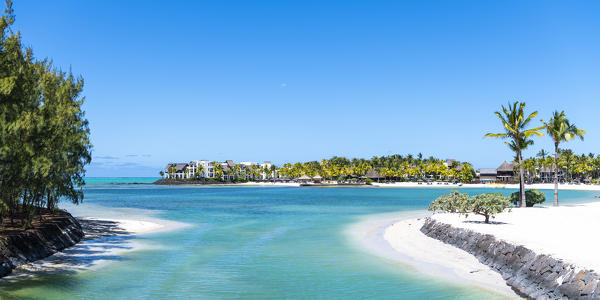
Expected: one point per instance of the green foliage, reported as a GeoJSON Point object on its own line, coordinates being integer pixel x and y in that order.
{"type": "Point", "coordinates": [486, 205]}
{"type": "Point", "coordinates": [560, 129]}
{"type": "Point", "coordinates": [44, 136]}
{"type": "Point", "coordinates": [532, 197]}
{"type": "Point", "coordinates": [515, 124]}
{"type": "Point", "coordinates": [368, 181]}
{"type": "Point", "coordinates": [453, 202]}
{"type": "Point", "coordinates": [393, 168]}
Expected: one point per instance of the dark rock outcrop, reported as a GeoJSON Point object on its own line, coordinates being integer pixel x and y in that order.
{"type": "Point", "coordinates": [535, 276]}
{"type": "Point", "coordinates": [55, 233]}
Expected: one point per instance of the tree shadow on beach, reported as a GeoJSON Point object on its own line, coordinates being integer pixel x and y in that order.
{"type": "Point", "coordinates": [103, 241]}
{"type": "Point", "coordinates": [483, 222]}
{"type": "Point", "coordinates": [95, 229]}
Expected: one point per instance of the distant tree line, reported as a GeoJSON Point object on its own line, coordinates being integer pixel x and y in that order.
{"type": "Point", "coordinates": [394, 168]}
{"type": "Point", "coordinates": [44, 136]}
{"type": "Point", "coordinates": [576, 167]}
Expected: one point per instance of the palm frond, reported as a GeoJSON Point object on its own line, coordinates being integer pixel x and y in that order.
{"type": "Point", "coordinates": [496, 135]}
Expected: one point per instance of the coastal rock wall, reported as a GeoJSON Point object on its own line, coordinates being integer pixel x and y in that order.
{"type": "Point", "coordinates": [52, 235]}
{"type": "Point", "coordinates": [532, 275]}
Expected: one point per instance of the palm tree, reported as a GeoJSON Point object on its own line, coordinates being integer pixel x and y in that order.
{"type": "Point", "coordinates": [199, 171]}
{"type": "Point", "coordinates": [560, 130]}
{"type": "Point", "coordinates": [542, 154]}
{"type": "Point", "coordinates": [515, 126]}
{"type": "Point", "coordinates": [218, 171]}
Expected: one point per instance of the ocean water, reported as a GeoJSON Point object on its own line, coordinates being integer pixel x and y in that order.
{"type": "Point", "coordinates": [252, 243]}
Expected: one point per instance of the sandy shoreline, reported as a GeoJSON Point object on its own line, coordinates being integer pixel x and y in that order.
{"type": "Point", "coordinates": [397, 236]}
{"type": "Point", "coordinates": [537, 186]}
{"type": "Point", "coordinates": [566, 232]}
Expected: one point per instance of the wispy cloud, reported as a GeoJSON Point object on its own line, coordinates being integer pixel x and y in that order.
{"type": "Point", "coordinates": [105, 157]}
{"type": "Point", "coordinates": [116, 164]}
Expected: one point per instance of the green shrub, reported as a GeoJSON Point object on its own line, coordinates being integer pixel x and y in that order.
{"type": "Point", "coordinates": [453, 202]}
{"type": "Point", "coordinates": [368, 181]}
{"type": "Point", "coordinates": [532, 197]}
{"type": "Point", "coordinates": [486, 205]}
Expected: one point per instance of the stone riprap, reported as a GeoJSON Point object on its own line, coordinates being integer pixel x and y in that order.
{"type": "Point", "coordinates": [535, 276]}
{"type": "Point", "coordinates": [54, 234]}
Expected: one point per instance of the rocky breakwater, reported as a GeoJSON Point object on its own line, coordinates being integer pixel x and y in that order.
{"type": "Point", "coordinates": [535, 276]}
{"type": "Point", "coordinates": [54, 233]}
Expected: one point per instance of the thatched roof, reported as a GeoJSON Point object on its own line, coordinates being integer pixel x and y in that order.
{"type": "Point", "coordinates": [180, 167]}
{"type": "Point", "coordinates": [506, 167]}
{"type": "Point", "coordinates": [318, 177]}
{"type": "Point", "coordinates": [304, 177]}
{"type": "Point", "coordinates": [372, 174]}
{"type": "Point", "coordinates": [487, 172]}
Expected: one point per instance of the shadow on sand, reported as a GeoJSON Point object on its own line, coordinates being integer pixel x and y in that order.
{"type": "Point", "coordinates": [103, 241]}
{"type": "Point", "coordinates": [483, 222]}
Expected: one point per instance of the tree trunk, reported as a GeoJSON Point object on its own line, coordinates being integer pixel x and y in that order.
{"type": "Point", "coordinates": [556, 174]}
{"type": "Point", "coordinates": [487, 218]}
{"type": "Point", "coordinates": [521, 181]}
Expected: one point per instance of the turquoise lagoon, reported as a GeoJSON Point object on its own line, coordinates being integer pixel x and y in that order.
{"type": "Point", "coordinates": [251, 242]}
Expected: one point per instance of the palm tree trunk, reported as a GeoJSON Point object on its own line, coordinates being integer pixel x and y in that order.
{"type": "Point", "coordinates": [521, 181]}
{"type": "Point", "coordinates": [556, 174]}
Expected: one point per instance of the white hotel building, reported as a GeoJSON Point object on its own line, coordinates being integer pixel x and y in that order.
{"type": "Point", "coordinates": [188, 170]}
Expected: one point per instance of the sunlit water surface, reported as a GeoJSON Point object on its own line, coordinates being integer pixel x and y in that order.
{"type": "Point", "coordinates": [252, 242]}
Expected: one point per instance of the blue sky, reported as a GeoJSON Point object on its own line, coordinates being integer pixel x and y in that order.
{"type": "Point", "coordinates": [290, 81]}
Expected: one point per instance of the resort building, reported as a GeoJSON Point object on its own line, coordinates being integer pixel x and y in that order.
{"type": "Point", "coordinates": [487, 175]}
{"type": "Point", "coordinates": [449, 162]}
{"type": "Point", "coordinates": [506, 173]}
{"type": "Point", "coordinates": [206, 168]}
{"type": "Point", "coordinates": [229, 169]}
{"type": "Point", "coordinates": [178, 170]}
{"type": "Point", "coordinates": [373, 175]}
{"type": "Point", "coordinates": [547, 174]}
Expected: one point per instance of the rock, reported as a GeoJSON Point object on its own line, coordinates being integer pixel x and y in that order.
{"type": "Point", "coordinates": [54, 234]}
{"type": "Point", "coordinates": [589, 288]}
{"type": "Point", "coordinates": [529, 274]}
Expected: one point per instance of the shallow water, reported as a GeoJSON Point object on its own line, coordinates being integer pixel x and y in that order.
{"type": "Point", "coordinates": [251, 242]}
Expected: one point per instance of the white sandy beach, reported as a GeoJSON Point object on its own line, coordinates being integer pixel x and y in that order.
{"type": "Point", "coordinates": [268, 184]}
{"type": "Point", "coordinates": [537, 186]}
{"type": "Point", "coordinates": [566, 232]}
{"type": "Point", "coordinates": [397, 236]}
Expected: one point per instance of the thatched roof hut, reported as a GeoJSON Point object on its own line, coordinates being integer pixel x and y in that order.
{"type": "Point", "coordinates": [304, 178]}
{"type": "Point", "coordinates": [373, 175]}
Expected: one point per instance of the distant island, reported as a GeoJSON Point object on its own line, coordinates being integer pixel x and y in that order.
{"type": "Point", "coordinates": [573, 168]}
{"type": "Point", "coordinates": [337, 170]}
